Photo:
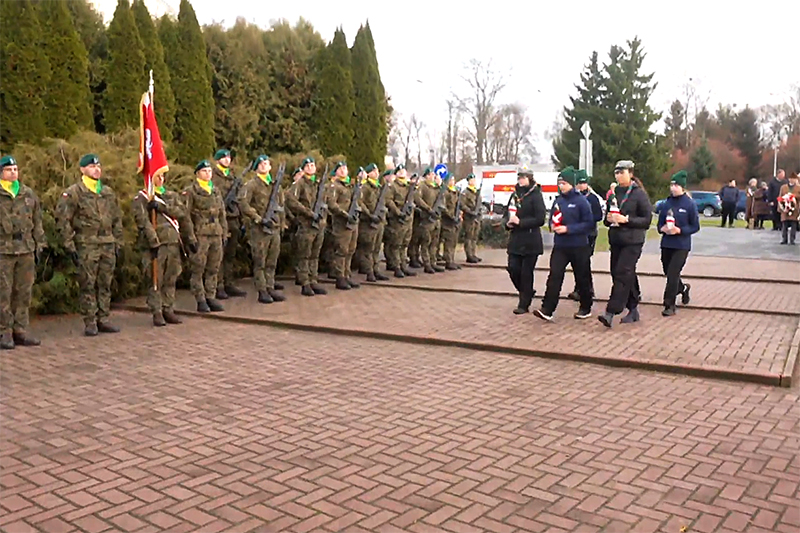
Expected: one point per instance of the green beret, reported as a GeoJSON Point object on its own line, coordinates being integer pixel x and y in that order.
{"type": "Point", "coordinates": [306, 161]}
{"type": "Point", "coordinates": [337, 166]}
{"type": "Point", "coordinates": [624, 164]}
{"type": "Point", "coordinates": [583, 177]}
{"type": "Point", "coordinates": [428, 170]}
{"type": "Point", "coordinates": [470, 176]}
{"type": "Point", "coordinates": [258, 161]}
{"type": "Point", "coordinates": [569, 174]}
{"type": "Point", "coordinates": [360, 170]}
{"type": "Point", "coordinates": [401, 166]}
{"type": "Point", "coordinates": [222, 152]}
{"type": "Point", "coordinates": [201, 165]}
{"type": "Point", "coordinates": [89, 159]}
{"type": "Point", "coordinates": [387, 172]}
{"type": "Point", "coordinates": [297, 171]}
{"type": "Point", "coordinates": [369, 168]}
{"type": "Point", "coordinates": [679, 178]}
{"type": "Point", "coordinates": [7, 161]}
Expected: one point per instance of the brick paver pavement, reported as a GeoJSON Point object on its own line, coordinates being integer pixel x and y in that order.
{"type": "Point", "coordinates": [713, 340]}
{"type": "Point", "coordinates": [738, 296]}
{"type": "Point", "coordinates": [213, 426]}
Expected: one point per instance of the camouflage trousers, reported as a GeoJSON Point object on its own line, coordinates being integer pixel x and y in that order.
{"type": "Point", "coordinates": [398, 237]}
{"type": "Point", "coordinates": [345, 241]}
{"type": "Point", "coordinates": [449, 237]}
{"type": "Point", "coordinates": [368, 250]}
{"type": "Point", "coordinates": [415, 245]}
{"type": "Point", "coordinates": [96, 264]}
{"type": "Point", "coordinates": [226, 277]}
{"type": "Point", "coordinates": [17, 273]}
{"type": "Point", "coordinates": [265, 249]}
{"type": "Point", "coordinates": [308, 246]}
{"type": "Point", "coordinates": [169, 267]}
{"type": "Point", "coordinates": [427, 242]}
{"type": "Point", "coordinates": [204, 266]}
{"type": "Point", "coordinates": [472, 226]}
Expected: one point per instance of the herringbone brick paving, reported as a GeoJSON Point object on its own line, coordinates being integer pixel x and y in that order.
{"type": "Point", "coordinates": [214, 426]}
{"type": "Point", "coordinates": [726, 340]}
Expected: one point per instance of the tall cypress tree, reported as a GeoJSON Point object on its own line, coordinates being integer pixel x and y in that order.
{"type": "Point", "coordinates": [24, 74]}
{"type": "Point", "coordinates": [92, 32]}
{"type": "Point", "coordinates": [185, 50]}
{"type": "Point", "coordinates": [125, 81]}
{"type": "Point", "coordinates": [333, 105]}
{"type": "Point", "coordinates": [68, 98]}
{"type": "Point", "coordinates": [163, 98]}
{"type": "Point", "coordinates": [369, 119]}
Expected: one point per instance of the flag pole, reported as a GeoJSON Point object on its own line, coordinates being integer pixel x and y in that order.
{"type": "Point", "coordinates": [151, 192]}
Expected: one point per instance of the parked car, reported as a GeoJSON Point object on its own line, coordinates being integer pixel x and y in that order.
{"type": "Point", "coordinates": [708, 203]}
{"type": "Point", "coordinates": [741, 206]}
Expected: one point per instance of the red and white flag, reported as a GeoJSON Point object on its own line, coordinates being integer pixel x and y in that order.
{"type": "Point", "coordinates": [152, 160]}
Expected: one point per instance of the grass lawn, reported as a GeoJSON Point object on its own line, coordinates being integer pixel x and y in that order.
{"type": "Point", "coordinates": [601, 245]}
{"type": "Point", "coordinates": [716, 221]}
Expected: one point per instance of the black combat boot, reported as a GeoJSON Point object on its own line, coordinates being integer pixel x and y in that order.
{"type": "Point", "coordinates": [318, 289]}
{"type": "Point", "coordinates": [437, 268]}
{"type": "Point", "coordinates": [451, 266]}
{"type": "Point", "coordinates": [278, 287]}
{"type": "Point", "coordinates": [353, 284]}
{"type": "Point", "coordinates": [472, 260]}
{"type": "Point", "coordinates": [23, 339]}
{"type": "Point", "coordinates": [221, 294]}
{"type": "Point", "coordinates": [307, 290]}
{"type": "Point", "coordinates": [408, 272]}
{"type": "Point", "coordinates": [631, 317]}
{"type": "Point", "coordinates": [235, 292]}
{"type": "Point", "coordinates": [371, 278]}
{"type": "Point", "coordinates": [607, 319]}
{"type": "Point", "coordinates": [277, 296]}
{"type": "Point", "coordinates": [202, 307]}
{"type": "Point", "coordinates": [398, 273]}
{"type": "Point", "coordinates": [170, 317]}
{"type": "Point", "coordinates": [214, 305]}
{"type": "Point", "coordinates": [265, 298]}
{"type": "Point", "coordinates": [7, 342]}
{"type": "Point", "coordinates": [298, 283]}
{"type": "Point", "coordinates": [90, 330]}
{"type": "Point", "coordinates": [158, 319]}
{"type": "Point", "coordinates": [415, 263]}
{"type": "Point", "coordinates": [342, 284]}
{"type": "Point", "coordinates": [381, 277]}
{"type": "Point", "coordinates": [107, 327]}
{"type": "Point", "coordinates": [429, 270]}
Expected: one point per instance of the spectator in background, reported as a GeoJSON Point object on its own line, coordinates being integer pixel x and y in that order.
{"type": "Point", "coordinates": [749, 216]}
{"type": "Point", "coordinates": [788, 200]}
{"type": "Point", "coordinates": [611, 189]}
{"type": "Point", "coordinates": [761, 209]}
{"type": "Point", "coordinates": [774, 191]}
{"type": "Point", "coordinates": [729, 196]}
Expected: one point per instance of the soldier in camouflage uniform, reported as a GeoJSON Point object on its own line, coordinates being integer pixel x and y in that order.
{"type": "Point", "coordinates": [451, 220]}
{"type": "Point", "coordinates": [291, 222]}
{"type": "Point", "coordinates": [162, 243]}
{"type": "Point", "coordinates": [399, 224]}
{"type": "Point", "coordinates": [264, 234]}
{"type": "Point", "coordinates": [223, 178]}
{"type": "Point", "coordinates": [470, 207]}
{"type": "Point", "coordinates": [90, 223]}
{"type": "Point", "coordinates": [21, 242]}
{"type": "Point", "coordinates": [425, 201]}
{"type": "Point", "coordinates": [370, 227]}
{"type": "Point", "coordinates": [301, 200]}
{"type": "Point", "coordinates": [206, 210]}
{"type": "Point", "coordinates": [343, 228]}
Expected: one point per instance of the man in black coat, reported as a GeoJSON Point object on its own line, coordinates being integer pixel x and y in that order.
{"type": "Point", "coordinates": [772, 195]}
{"type": "Point", "coordinates": [524, 218]}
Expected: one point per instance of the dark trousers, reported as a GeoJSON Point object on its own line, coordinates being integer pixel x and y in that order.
{"type": "Point", "coordinates": [559, 259]}
{"type": "Point", "coordinates": [672, 261]}
{"type": "Point", "coordinates": [520, 270]}
{"type": "Point", "coordinates": [728, 213]}
{"type": "Point", "coordinates": [592, 241]}
{"type": "Point", "coordinates": [789, 231]}
{"type": "Point", "coordinates": [776, 217]}
{"type": "Point", "coordinates": [625, 289]}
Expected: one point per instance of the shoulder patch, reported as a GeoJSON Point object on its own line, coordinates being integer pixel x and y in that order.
{"type": "Point", "coordinates": [65, 194]}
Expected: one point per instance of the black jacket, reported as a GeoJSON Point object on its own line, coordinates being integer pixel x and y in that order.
{"type": "Point", "coordinates": [526, 237]}
{"type": "Point", "coordinates": [775, 189]}
{"type": "Point", "coordinates": [639, 212]}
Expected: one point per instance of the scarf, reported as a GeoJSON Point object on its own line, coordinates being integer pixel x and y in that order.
{"type": "Point", "coordinates": [92, 184]}
{"type": "Point", "coordinates": [11, 187]}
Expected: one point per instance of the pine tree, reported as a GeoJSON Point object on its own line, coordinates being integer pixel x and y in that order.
{"type": "Point", "coordinates": [67, 98]}
{"type": "Point", "coordinates": [703, 165]}
{"type": "Point", "coordinates": [92, 32]}
{"type": "Point", "coordinates": [24, 75]}
{"type": "Point", "coordinates": [747, 138]}
{"type": "Point", "coordinates": [125, 77]}
{"type": "Point", "coordinates": [675, 131]}
{"type": "Point", "coordinates": [163, 99]}
{"type": "Point", "coordinates": [333, 106]}
{"type": "Point", "coordinates": [369, 121]}
{"type": "Point", "coordinates": [193, 133]}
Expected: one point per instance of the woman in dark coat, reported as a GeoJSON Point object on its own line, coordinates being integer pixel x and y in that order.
{"type": "Point", "coordinates": [761, 208]}
{"type": "Point", "coordinates": [525, 215]}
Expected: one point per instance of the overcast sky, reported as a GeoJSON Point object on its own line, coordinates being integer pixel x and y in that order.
{"type": "Point", "coordinates": [745, 54]}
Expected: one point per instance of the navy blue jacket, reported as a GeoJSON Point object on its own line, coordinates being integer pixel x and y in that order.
{"type": "Point", "coordinates": [577, 217]}
{"type": "Point", "coordinates": [684, 209]}
{"type": "Point", "coordinates": [729, 195]}
{"type": "Point", "coordinates": [597, 209]}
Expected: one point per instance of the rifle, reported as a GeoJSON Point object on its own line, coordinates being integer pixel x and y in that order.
{"type": "Point", "coordinates": [408, 206]}
{"type": "Point", "coordinates": [458, 208]}
{"type": "Point", "coordinates": [478, 201]}
{"type": "Point", "coordinates": [354, 211]}
{"type": "Point", "coordinates": [319, 205]}
{"type": "Point", "coordinates": [438, 204]}
{"type": "Point", "coordinates": [273, 209]}
{"type": "Point", "coordinates": [380, 206]}
{"type": "Point", "coordinates": [230, 198]}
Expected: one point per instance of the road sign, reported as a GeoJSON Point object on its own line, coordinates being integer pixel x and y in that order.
{"type": "Point", "coordinates": [441, 170]}
{"type": "Point", "coordinates": [586, 129]}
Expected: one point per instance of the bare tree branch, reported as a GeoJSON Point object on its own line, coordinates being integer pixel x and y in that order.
{"type": "Point", "coordinates": [484, 86]}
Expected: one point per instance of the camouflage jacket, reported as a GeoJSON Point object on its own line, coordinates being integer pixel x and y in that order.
{"type": "Point", "coordinates": [340, 198]}
{"type": "Point", "coordinates": [224, 183]}
{"type": "Point", "coordinates": [254, 202]}
{"type": "Point", "coordinates": [301, 199]}
{"type": "Point", "coordinates": [449, 216]}
{"type": "Point", "coordinates": [165, 231]}
{"type": "Point", "coordinates": [370, 192]}
{"type": "Point", "coordinates": [85, 217]}
{"type": "Point", "coordinates": [469, 201]}
{"type": "Point", "coordinates": [21, 221]}
{"type": "Point", "coordinates": [425, 198]}
{"type": "Point", "coordinates": [206, 211]}
{"type": "Point", "coordinates": [396, 199]}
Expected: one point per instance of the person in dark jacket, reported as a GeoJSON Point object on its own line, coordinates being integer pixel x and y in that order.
{"type": "Point", "coordinates": [571, 220]}
{"type": "Point", "coordinates": [628, 218]}
{"type": "Point", "coordinates": [729, 196]}
{"type": "Point", "coordinates": [772, 195]}
{"type": "Point", "coordinates": [597, 214]}
{"type": "Point", "coordinates": [677, 222]}
{"type": "Point", "coordinates": [524, 217]}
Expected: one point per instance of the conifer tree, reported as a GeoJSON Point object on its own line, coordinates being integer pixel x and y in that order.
{"type": "Point", "coordinates": [369, 121]}
{"type": "Point", "coordinates": [193, 133]}
{"type": "Point", "coordinates": [333, 106]}
{"type": "Point", "coordinates": [163, 99]}
{"type": "Point", "coordinates": [703, 164]}
{"type": "Point", "coordinates": [67, 98]}
{"type": "Point", "coordinates": [24, 74]}
{"type": "Point", "coordinates": [125, 77]}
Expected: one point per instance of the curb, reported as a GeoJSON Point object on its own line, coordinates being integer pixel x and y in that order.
{"type": "Point", "coordinates": [789, 369]}
{"type": "Point", "coordinates": [687, 370]}
{"type": "Point", "coordinates": [426, 288]}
